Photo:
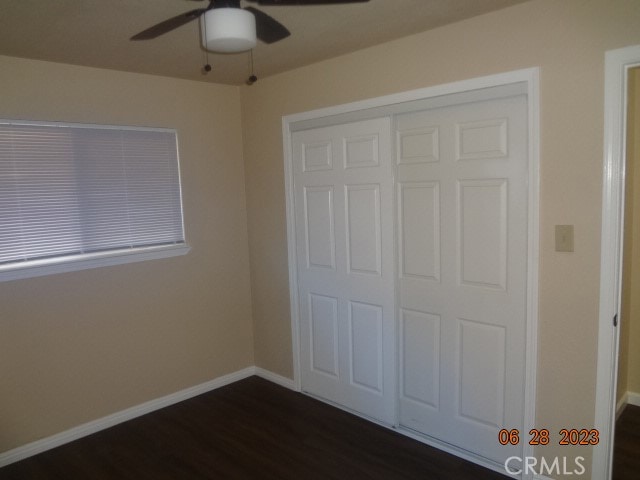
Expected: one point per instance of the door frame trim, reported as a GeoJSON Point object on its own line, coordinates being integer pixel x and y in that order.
{"type": "Point", "coordinates": [617, 65]}
{"type": "Point", "coordinates": [530, 77]}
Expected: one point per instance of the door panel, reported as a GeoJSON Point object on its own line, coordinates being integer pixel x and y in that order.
{"type": "Point", "coordinates": [363, 228]}
{"type": "Point", "coordinates": [462, 237]}
{"type": "Point", "coordinates": [419, 216]}
{"type": "Point", "coordinates": [344, 219]}
{"type": "Point", "coordinates": [366, 353]}
{"type": "Point", "coordinates": [317, 156]}
{"type": "Point", "coordinates": [420, 337]}
{"type": "Point", "coordinates": [482, 368]}
{"type": "Point", "coordinates": [361, 151]}
{"type": "Point", "coordinates": [324, 334]}
{"type": "Point", "coordinates": [318, 205]}
{"type": "Point", "coordinates": [483, 232]}
{"type": "Point", "coordinates": [485, 139]}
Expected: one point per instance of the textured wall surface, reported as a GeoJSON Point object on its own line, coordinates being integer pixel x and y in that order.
{"type": "Point", "coordinates": [78, 346]}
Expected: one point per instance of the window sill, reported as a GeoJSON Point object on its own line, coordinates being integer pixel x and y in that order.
{"type": "Point", "coordinates": [83, 262]}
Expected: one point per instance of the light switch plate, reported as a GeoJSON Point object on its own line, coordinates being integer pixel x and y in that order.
{"type": "Point", "coordinates": [564, 238]}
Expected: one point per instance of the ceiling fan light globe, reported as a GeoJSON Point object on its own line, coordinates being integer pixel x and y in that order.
{"type": "Point", "coordinates": [228, 30]}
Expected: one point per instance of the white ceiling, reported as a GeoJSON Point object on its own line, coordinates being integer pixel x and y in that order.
{"type": "Point", "coordinates": [96, 33]}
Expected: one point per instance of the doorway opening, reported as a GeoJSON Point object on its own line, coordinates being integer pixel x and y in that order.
{"type": "Point", "coordinates": [613, 371]}
{"type": "Point", "coordinates": [626, 447]}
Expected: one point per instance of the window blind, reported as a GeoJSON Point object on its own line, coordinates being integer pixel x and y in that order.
{"type": "Point", "coordinates": [76, 190]}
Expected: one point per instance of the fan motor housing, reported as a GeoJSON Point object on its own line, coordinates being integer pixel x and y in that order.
{"type": "Point", "coordinates": [228, 30]}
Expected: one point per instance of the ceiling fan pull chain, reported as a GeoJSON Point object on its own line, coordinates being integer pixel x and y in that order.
{"type": "Point", "coordinates": [207, 66]}
{"type": "Point", "coordinates": [252, 77]}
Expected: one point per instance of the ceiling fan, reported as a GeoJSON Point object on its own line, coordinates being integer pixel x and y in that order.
{"type": "Point", "coordinates": [226, 27]}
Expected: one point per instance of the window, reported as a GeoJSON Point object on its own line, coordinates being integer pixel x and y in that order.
{"type": "Point", "coordinates": [80, 196]}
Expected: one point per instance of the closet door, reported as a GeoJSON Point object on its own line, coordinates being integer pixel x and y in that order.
{"type": "Point", "coordinates": [343, 186]}
{"type": "Point", "coordinates": [462, 253]}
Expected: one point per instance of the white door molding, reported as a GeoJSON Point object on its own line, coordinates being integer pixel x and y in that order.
{"type": "Point", "coordinates": [529, 78]}
{"type": "Point", "coordinates": [617, 64]}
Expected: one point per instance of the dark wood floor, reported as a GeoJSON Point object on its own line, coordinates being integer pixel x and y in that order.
{"type": "Point", "coordinates": [251, 429]}
{"type": "Point", "coordinates": [626, 450]}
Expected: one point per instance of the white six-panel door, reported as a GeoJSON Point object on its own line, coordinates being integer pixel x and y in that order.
{"type": "Point", "coordinates": [344, 239]}
{"type": "Point", "coordinates": [460, 220]}
{"type": "Point", "coordinates": [462, 238]}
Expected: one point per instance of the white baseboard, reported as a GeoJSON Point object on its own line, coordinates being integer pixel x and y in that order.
{"type": "Point", "coordinates": [629, 398]}
{"type": "Point", "coordinates": [39, 446]}
{"type": "Point", "coordinates": [621, 404]}
{"type": "Point", "coordinates": [275, 378]}
{"type": "Point", "coordinates": [633, 398]}
{"type": "Point", "coordinates": [94, 426]}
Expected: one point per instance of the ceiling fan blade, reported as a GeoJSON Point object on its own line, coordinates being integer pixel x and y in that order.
{"type": "Point", "coordinates": [304, 2]}
{"type": "Point", "coordinates": [268, 29]}
{"type": "Point", "coordinates": [168, 25]}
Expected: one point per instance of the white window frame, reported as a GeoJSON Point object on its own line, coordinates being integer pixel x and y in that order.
{"type": "Point", "coordinates": [71, 263]}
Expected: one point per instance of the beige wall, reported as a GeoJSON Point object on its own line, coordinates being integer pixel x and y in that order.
{"type": "Point", "coordinates": [631, 271]}
{"type": "Point", "coordinates": [567, 39]}
{"type": "Point", "coordinates": [78, 346]}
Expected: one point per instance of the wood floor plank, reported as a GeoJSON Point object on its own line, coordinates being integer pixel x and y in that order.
{"type": "Point", "coordinates": [626, 451]}
{"type": "Point", "coordinates": [251, 429]}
